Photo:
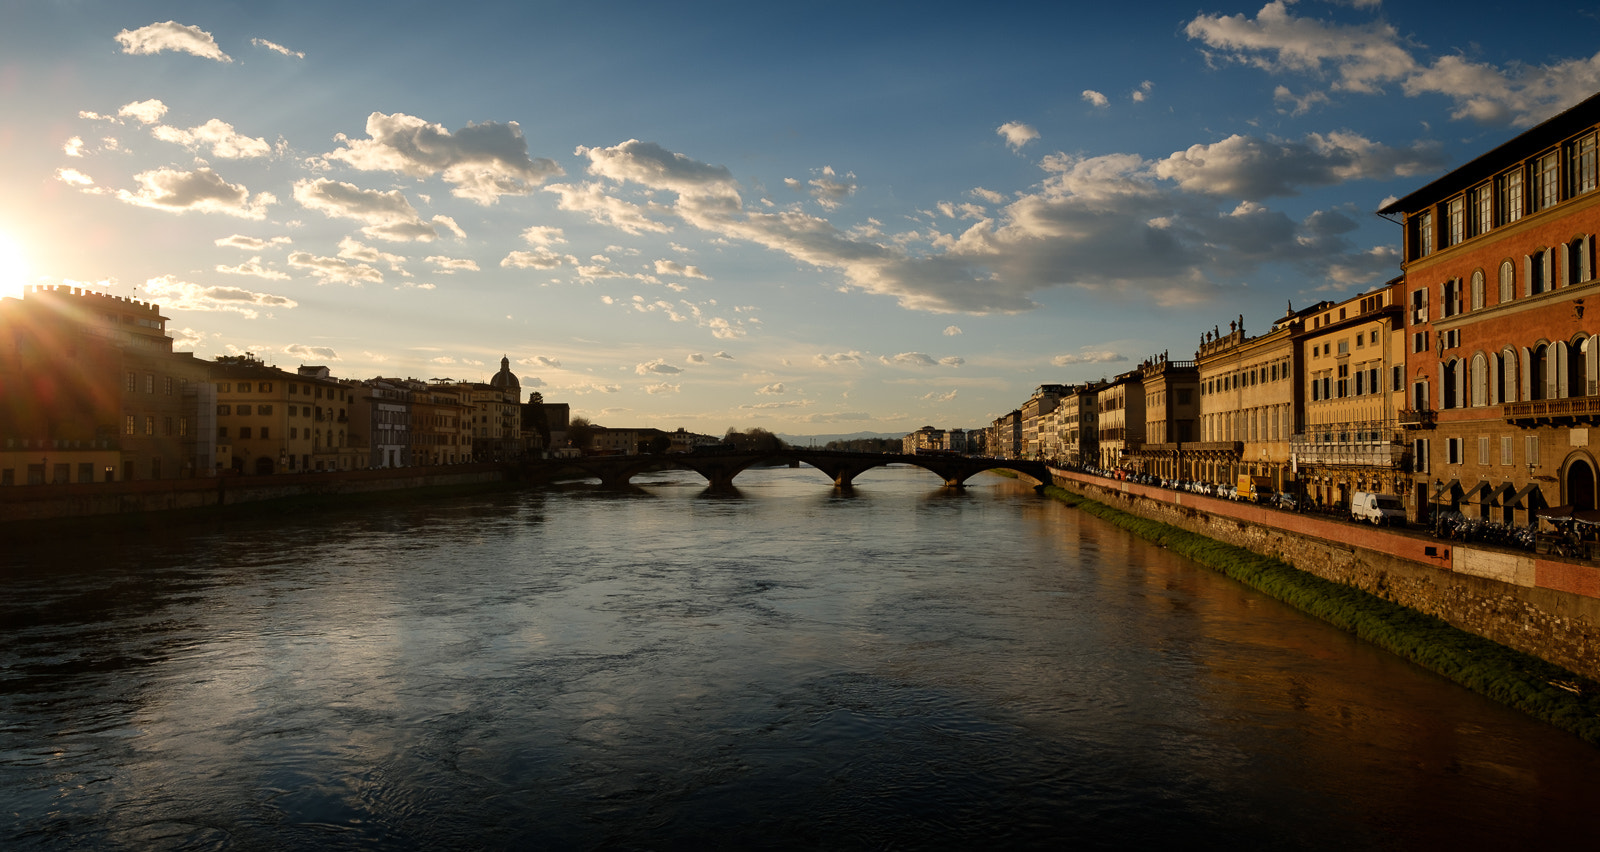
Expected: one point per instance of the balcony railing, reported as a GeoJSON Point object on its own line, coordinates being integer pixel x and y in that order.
{"type": "Point", "coordinates": [1424, 419]}
{"type": "Point", "coordinates": [1575, 408]}
{"type": "Point", "coordinates": [1308, 449]}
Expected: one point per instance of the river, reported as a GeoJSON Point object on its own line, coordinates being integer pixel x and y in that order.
{"type": "Point", "coordinates": [788, 666]}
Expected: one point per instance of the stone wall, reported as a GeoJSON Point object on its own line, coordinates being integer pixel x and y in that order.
{"type": "Point", "coordinates": [20, 504]}
{"type": "Point", "coordinates": [1546, 607]}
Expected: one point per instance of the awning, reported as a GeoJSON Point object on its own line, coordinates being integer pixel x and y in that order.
{"type": "Point", "coordinates": [1526, 497]}
{"type": "Point", "coordinates": [1473, 492]}
{"type": "Point", "coordinates": [1448, 488]}
{"type": "Point", "coordinates": [1501, 493]}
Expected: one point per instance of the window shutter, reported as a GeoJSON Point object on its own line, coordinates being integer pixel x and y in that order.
{"type": "Point", "coordinates": [1585, 257]}
{"type": "Point", "coordinates": [1545, 266]}
{"type": "Point", "coordinates": [1558, 382]}
{"type": "Point", "coordinates": [1492, 391]}
{"type": "Point", "coordinates": [1527, 275]}
{"type": "Point", "coordinates": [1526, 383]}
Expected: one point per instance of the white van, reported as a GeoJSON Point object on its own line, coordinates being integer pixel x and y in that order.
{"type": "Point", "coordinates": [1377, 508]}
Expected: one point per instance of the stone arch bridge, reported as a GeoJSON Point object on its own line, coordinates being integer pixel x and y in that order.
{"type": "Point", "coordinates": [720, 468]}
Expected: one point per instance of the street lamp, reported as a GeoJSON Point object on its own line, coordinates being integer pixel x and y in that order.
{"type": "Point", "coordinates": [1438, 485]}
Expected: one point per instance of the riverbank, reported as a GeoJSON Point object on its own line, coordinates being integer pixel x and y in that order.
{"type": "Point", "coordinates": [1535, 686]}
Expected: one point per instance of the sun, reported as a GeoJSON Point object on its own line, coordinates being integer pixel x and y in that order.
{"type": "Point", "coordinates": [13, 267]}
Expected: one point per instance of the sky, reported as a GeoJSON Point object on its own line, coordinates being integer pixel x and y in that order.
{"type": "Point", "coordinates": [814, 218]}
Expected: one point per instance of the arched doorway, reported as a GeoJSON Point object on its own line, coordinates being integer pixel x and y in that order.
{"type": "Point", "coordinates": [264, 466]}
{"type": "Point", "coordinates": [1580, 490]}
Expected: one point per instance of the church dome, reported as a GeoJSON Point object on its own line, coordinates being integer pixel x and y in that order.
{"type": "Point", "coordinates": [505, 379]}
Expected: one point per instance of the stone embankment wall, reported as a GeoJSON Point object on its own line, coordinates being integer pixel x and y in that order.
{"type": "Point", "coordinates": [48, 502]}
{"type": "Point", "coordinates": [1542, 606]}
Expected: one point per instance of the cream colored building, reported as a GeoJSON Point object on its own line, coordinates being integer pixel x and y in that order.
{"type": "Point", "coordinates": [1249, 402]}
{"type": "Point", "coordinates": [1353, 363]}
{"type": "Point", "coordinates": [1120, 420]}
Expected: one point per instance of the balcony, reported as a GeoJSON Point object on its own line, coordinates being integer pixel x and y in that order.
{"type": "Point", "coordinates": [1424, 419]}
{"type": "Point", "coordinates": [1578, 409]}
{"type": "Point", "coordinates": [1327, 449]}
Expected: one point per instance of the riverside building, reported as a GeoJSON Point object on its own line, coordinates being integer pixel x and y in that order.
{"type": "Point", "coordinates": [1500, 373]}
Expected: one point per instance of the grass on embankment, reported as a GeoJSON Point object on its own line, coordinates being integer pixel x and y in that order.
{"type": "Point", "coordinates": [1540, 689]}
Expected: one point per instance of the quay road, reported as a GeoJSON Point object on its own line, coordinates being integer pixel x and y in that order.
{"type": "Point", "coordinates": [720, 468]}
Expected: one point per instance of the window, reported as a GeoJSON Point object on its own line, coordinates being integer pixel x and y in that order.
{"type": "Point", "coordinates": [1483, 450]}
{"type": "Point", "coordinates": [1423, 234]}
{"type": "Point", "coordinates": [127, 425]}
{"type": "Point", "coordinates": [293, 388]}
{"type": "Point", "coordinates": [1397, 380]}
{"type": "Point", "coordinates": [1538, 271]}
{"type": "Point", "coordinates": [133, 381]}
{"type": "Point", "coordinates": [1419, 455]}
{"type": "Point", "coordinates": [1477, 290]}
{"type": "Point", "coordinates": [85, 472]}
{"type": "Point", "coordinates": [1452, 449]}
{"type": "Point", "coordinates": [1455, 220]}
{"type": "Point", "coordinates": [224, 410]}
{"type": "Point", "coordinates": [1450, 339]}
{"type": "Point", "coordinates": [1508, 281]}
{"type": "Point", "coordinates": [242, 411]}
{"type": "Point", "coordinates": [1344, 347]}
{"type": "Point", "coordinates": [183, 427]}
{"type": "Point", "coordinates": [166, 382]}
{"type": "Point", "coordinates": [1452, 298]}
{"type": "Point", "coordinates": [225, 387]}
{"type": "Point", "coordinates": [1547, 189]}
{"type": "Point", "coordinates": [149, 382]}
{"type": "Point", "coordinates": [244, 433]}
{"type": "Point", "coordinates": [1510, 185]}
{"type": "Point", "coordinates": [1582, 165]}
{"type": "Point", "coordinates": [1505, 450]}
{"type": "Point", "coordinates": [149, 424]}
{"type": "Point", "coordinates": [1419, 341]}
{"type": "Point", "coordinates": [222, 432]}
{"type": "Point", "coordinates": [266, 432]}
{"type": "Point", "coordinates": [294, 432]}
{"type": "Point", "coordinates": [1578, 268]}
{"type": "Point", "coordinates": [264, 409]}
{"type": "Point", "coordinates": [166, 426]}
{"type": "Point", "coordinates": [1530, 446]}
{"type": "Point", "coordinates": [266, 387]}
{"type": "Point", "coordinates": [244, 387]}
{"type": "Point", "coordinates": [1482, 209]}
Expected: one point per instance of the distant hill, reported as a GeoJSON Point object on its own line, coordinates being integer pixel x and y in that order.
{"type": "Point", "coordinates": [819, 440]}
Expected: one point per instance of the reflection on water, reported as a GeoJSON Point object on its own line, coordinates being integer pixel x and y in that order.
{"type": "Point", "coordinates": [783, 665]}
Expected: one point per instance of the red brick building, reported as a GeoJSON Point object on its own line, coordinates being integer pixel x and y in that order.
{"type": "Point", "coordinates": [1500, 315]}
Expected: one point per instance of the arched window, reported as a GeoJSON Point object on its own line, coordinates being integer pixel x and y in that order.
{"type": "Point", "coordinates": [1578, 375]}
{"type": "Point", "coordinates": [1538, 372]}
{"type": "Point", "coordinates": [1537, 271]}
{"type": "Point", "coordinates": [1477, 290]}
{"type": "Point", "coordinates": [1449, 388]}
{"type": "Point", "coordinates": [1480, 380]}
{"type": "Point", "coordinates": [1508, 281]}
{"type": "Point", "coordinates": [1578, 266]}
{"type": "Point", "coordinates": [1508, 376]}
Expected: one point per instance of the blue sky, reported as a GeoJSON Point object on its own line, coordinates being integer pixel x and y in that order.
{"type": "Point", "coordinates": [813, 218]}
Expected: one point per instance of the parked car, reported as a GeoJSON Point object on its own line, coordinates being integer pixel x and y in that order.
{"type": "Point", "coordinates": [1380, 509]}
{"type": "Point", "coordinates": [1254, 489]}
{"type": "Point", "coordinates": [1285, 500]}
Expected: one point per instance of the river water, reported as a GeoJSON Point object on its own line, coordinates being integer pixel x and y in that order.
{"type": "Point", "coordinates": [785, 667]}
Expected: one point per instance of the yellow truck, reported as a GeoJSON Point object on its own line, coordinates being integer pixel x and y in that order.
{"type": "Point", "coordinates": [1253, 489]}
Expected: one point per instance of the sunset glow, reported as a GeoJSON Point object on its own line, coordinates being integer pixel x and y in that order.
{"type": "Point", "coordinates": [865, 217]}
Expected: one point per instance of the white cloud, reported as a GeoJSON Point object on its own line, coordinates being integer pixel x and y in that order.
{"type": "Point", "coordinates": [651, 165]}
{"type": "Point", "coordinates": [935, 396]}
{"type": "Point", "coordinates": [240, 241]}
{"type": "Point", "coordinates": [202, 190]}
{"type": "Point", "coordinates": [772, 389]}
{"type": "Point", "coordinates": [672, 267]}
{"type": "Point", "coordinates": [333, 270]}
{"type": "Point", "coordinates": [838, 359]}
{"type": "Point", "coordinates": [1095, 98]}
{"type": "Point", "coordinates": [1363, 58]}
{"type": "Point", "coordinates": [775, 406]}
{"type": "Point", "coordinates": [592, 200]}
{"type": "Point", "coordinates": [1142, 92]}
{"type": "Point", "coordinates": [542, 236]}
{"type": "Point", "coordinates": [1088, 357]}
{"type": "Point", "coordinates": [657, 366]}
{"type": "Point", "coordinates": [830, 190]}
{"type": "Point", "coordinates": [540, 361]}
{"type": "Point", "coordinates": [662, 387]}
{"type": "Point", "coordinates": [1017, 134]}
{"type": "Point", "coordinates": [695, 358]}
{"type": "Point", "coordinates": [723, 355]}
{"type": "Point", "coordinates": [483, 161]}
{"type": "Point", "coordinates": [310, 353]}
{"type": "Point", "coordinates": [185, 296]}
{"type": "Point", "coordinates": [1251, 168]}
{"type": "Point", "coordinates": [225, 142]}
{"type": "Point", "coordinates": [387, 215]}
{"type": "Point", "coordinates": [171, 35]}
{"type": "Point", "coordinates": [541, 258]}
{"type": "Point", "coordinates": [952, 330]}
{"type": "Point", "coordinates": [73, 177]}
{"type": "Point", "coordinates": [353, 249]}
{"type": "Point", "coordinates": [450, 265]}
{"type": "Point", "coordinates": [146, 112]}
{"type": "Point", "coordinates": [277, 48]}
{"type": "Point", "coordinates": [919, 359]}
{"type": "Point", "coordinates": [73, 147]}
{"type": "Point", "coordinates": [254, 267]}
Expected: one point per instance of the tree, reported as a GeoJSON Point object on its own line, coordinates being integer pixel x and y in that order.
{"type": "Point", "coordinates": [580, 432]}
{"type": "Point", "coordinates": [757, 440]}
